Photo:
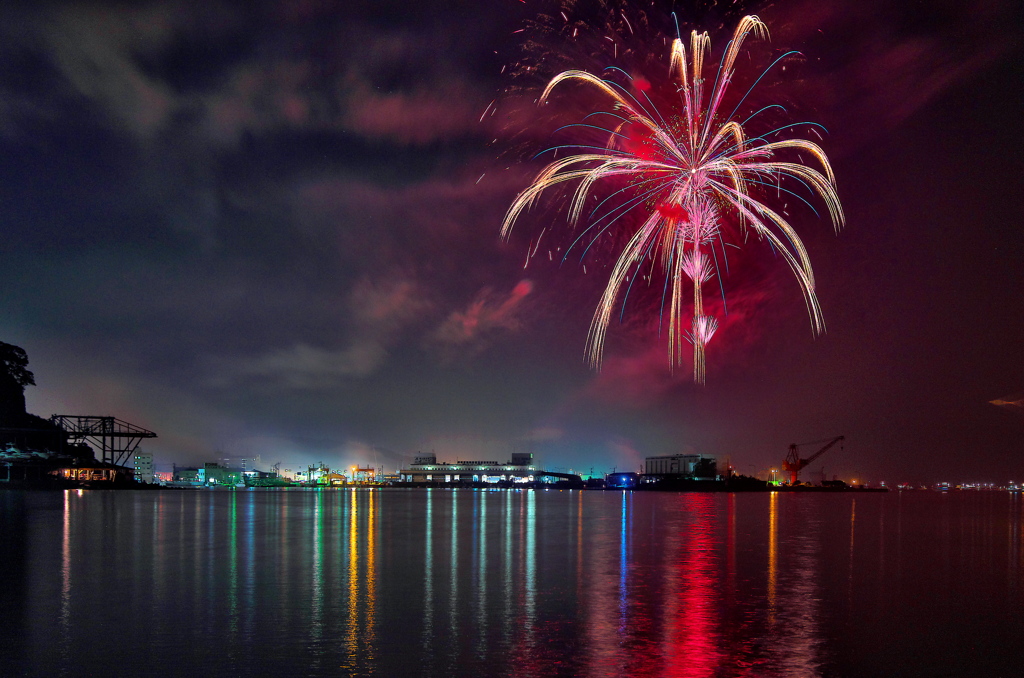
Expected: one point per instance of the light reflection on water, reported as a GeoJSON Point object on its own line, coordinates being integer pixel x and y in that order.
{"type": "Point", "coordinates": [795, 632]}
{"type": "Point", "coordinates": [773, 554]}
{"type": "Point", "coordinates": [453, 574]}
{"type": "Point", "coordinates": [65, 580]}
{"type": "Point", "coordinates": [477, 583]}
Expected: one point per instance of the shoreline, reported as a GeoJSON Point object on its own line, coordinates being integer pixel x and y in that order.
{"type": "Point", "coordinates": [701, 488]}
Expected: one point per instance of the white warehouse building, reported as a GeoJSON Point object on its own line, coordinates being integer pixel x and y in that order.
{"type": "Point", "coordinates": [426, 469]}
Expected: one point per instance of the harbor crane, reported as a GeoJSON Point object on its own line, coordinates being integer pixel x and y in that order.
{"type": "Point", "coordinates": [794, 464]}
{"type": "Point", "coordinates": [116, 440]}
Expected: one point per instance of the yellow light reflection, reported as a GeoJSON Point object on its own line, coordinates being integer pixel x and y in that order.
{"type": "Point", "coordinates": [351, 637]}
{"type": "Point", "coordinates": [371, 573]}
{"type": "Point", "coordinates": [797, 640]}
{"type": "Point", "coordinates": [65, 577]}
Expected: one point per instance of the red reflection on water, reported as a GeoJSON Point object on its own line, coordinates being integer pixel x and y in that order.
{"type": "Point", "coordinates": [691, 645]}
{"type": "Point", "coordinates": [653, 601]}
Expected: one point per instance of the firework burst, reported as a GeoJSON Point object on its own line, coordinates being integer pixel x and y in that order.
{"type": "Point", "coordinates": [688, 175]}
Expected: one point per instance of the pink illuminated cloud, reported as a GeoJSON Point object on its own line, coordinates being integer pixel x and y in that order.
{"type": "Point", "coordinates": [487, 313]}
{"type": "Point", "coordinates": [465, 333]}
{"type": "Point", "coordinates": [418, 117]}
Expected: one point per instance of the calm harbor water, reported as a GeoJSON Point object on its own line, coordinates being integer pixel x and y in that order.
{"type": "Point", "coordinates": [510, 583]}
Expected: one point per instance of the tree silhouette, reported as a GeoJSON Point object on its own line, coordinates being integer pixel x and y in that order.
{"type": "Point", "coordinates": [15, 365]}
{"type": "Point", "coordinates": [14, 377]}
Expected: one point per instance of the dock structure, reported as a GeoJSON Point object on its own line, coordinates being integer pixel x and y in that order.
{"type": "Point", "coordinates": [116, 439]}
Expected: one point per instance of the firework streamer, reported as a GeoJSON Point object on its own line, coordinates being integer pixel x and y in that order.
{"type": "Point", "coordinates": [691, 172]}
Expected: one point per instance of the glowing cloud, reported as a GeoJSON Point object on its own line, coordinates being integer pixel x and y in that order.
{"type": "Point", "coordinates": [485, 314]}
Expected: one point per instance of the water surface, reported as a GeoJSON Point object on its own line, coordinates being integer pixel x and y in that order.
{"type": "Point", "coordinates": [511, 583]}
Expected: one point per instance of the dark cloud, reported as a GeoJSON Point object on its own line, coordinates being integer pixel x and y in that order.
{"type": "Point", "coordinates": [378, 312]}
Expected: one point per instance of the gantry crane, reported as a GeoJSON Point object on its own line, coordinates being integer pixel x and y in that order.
{"type": "Point", "coordinates": [794, 464]}
{"type": "Point", "coordinates": [116, 439]}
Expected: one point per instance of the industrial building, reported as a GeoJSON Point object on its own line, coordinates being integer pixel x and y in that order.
{"type": "Point", "coordinates": [213, 473]}
{"type": "Point", "coordinates": [142, 462]}
{"type": "Point", "coordinates": [696, 466]}
{"type": "Point", "coordinates": [426, 469]}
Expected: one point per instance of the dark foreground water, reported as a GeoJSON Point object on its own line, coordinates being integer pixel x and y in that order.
{"type": "Point", "coordinates": [510, 583]}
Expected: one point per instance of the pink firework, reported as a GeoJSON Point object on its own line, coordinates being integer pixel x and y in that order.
{"type": "Point", "coordinates": [691, 173]}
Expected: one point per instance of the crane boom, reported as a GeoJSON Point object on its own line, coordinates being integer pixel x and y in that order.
{"type": "Point", "coordinates": [823, 450]}
{"type": "Point", "coordinates": [794, 464]}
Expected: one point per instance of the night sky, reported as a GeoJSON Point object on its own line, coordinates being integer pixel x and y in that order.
{"type": "Point", "coordinates": [274, 231]}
